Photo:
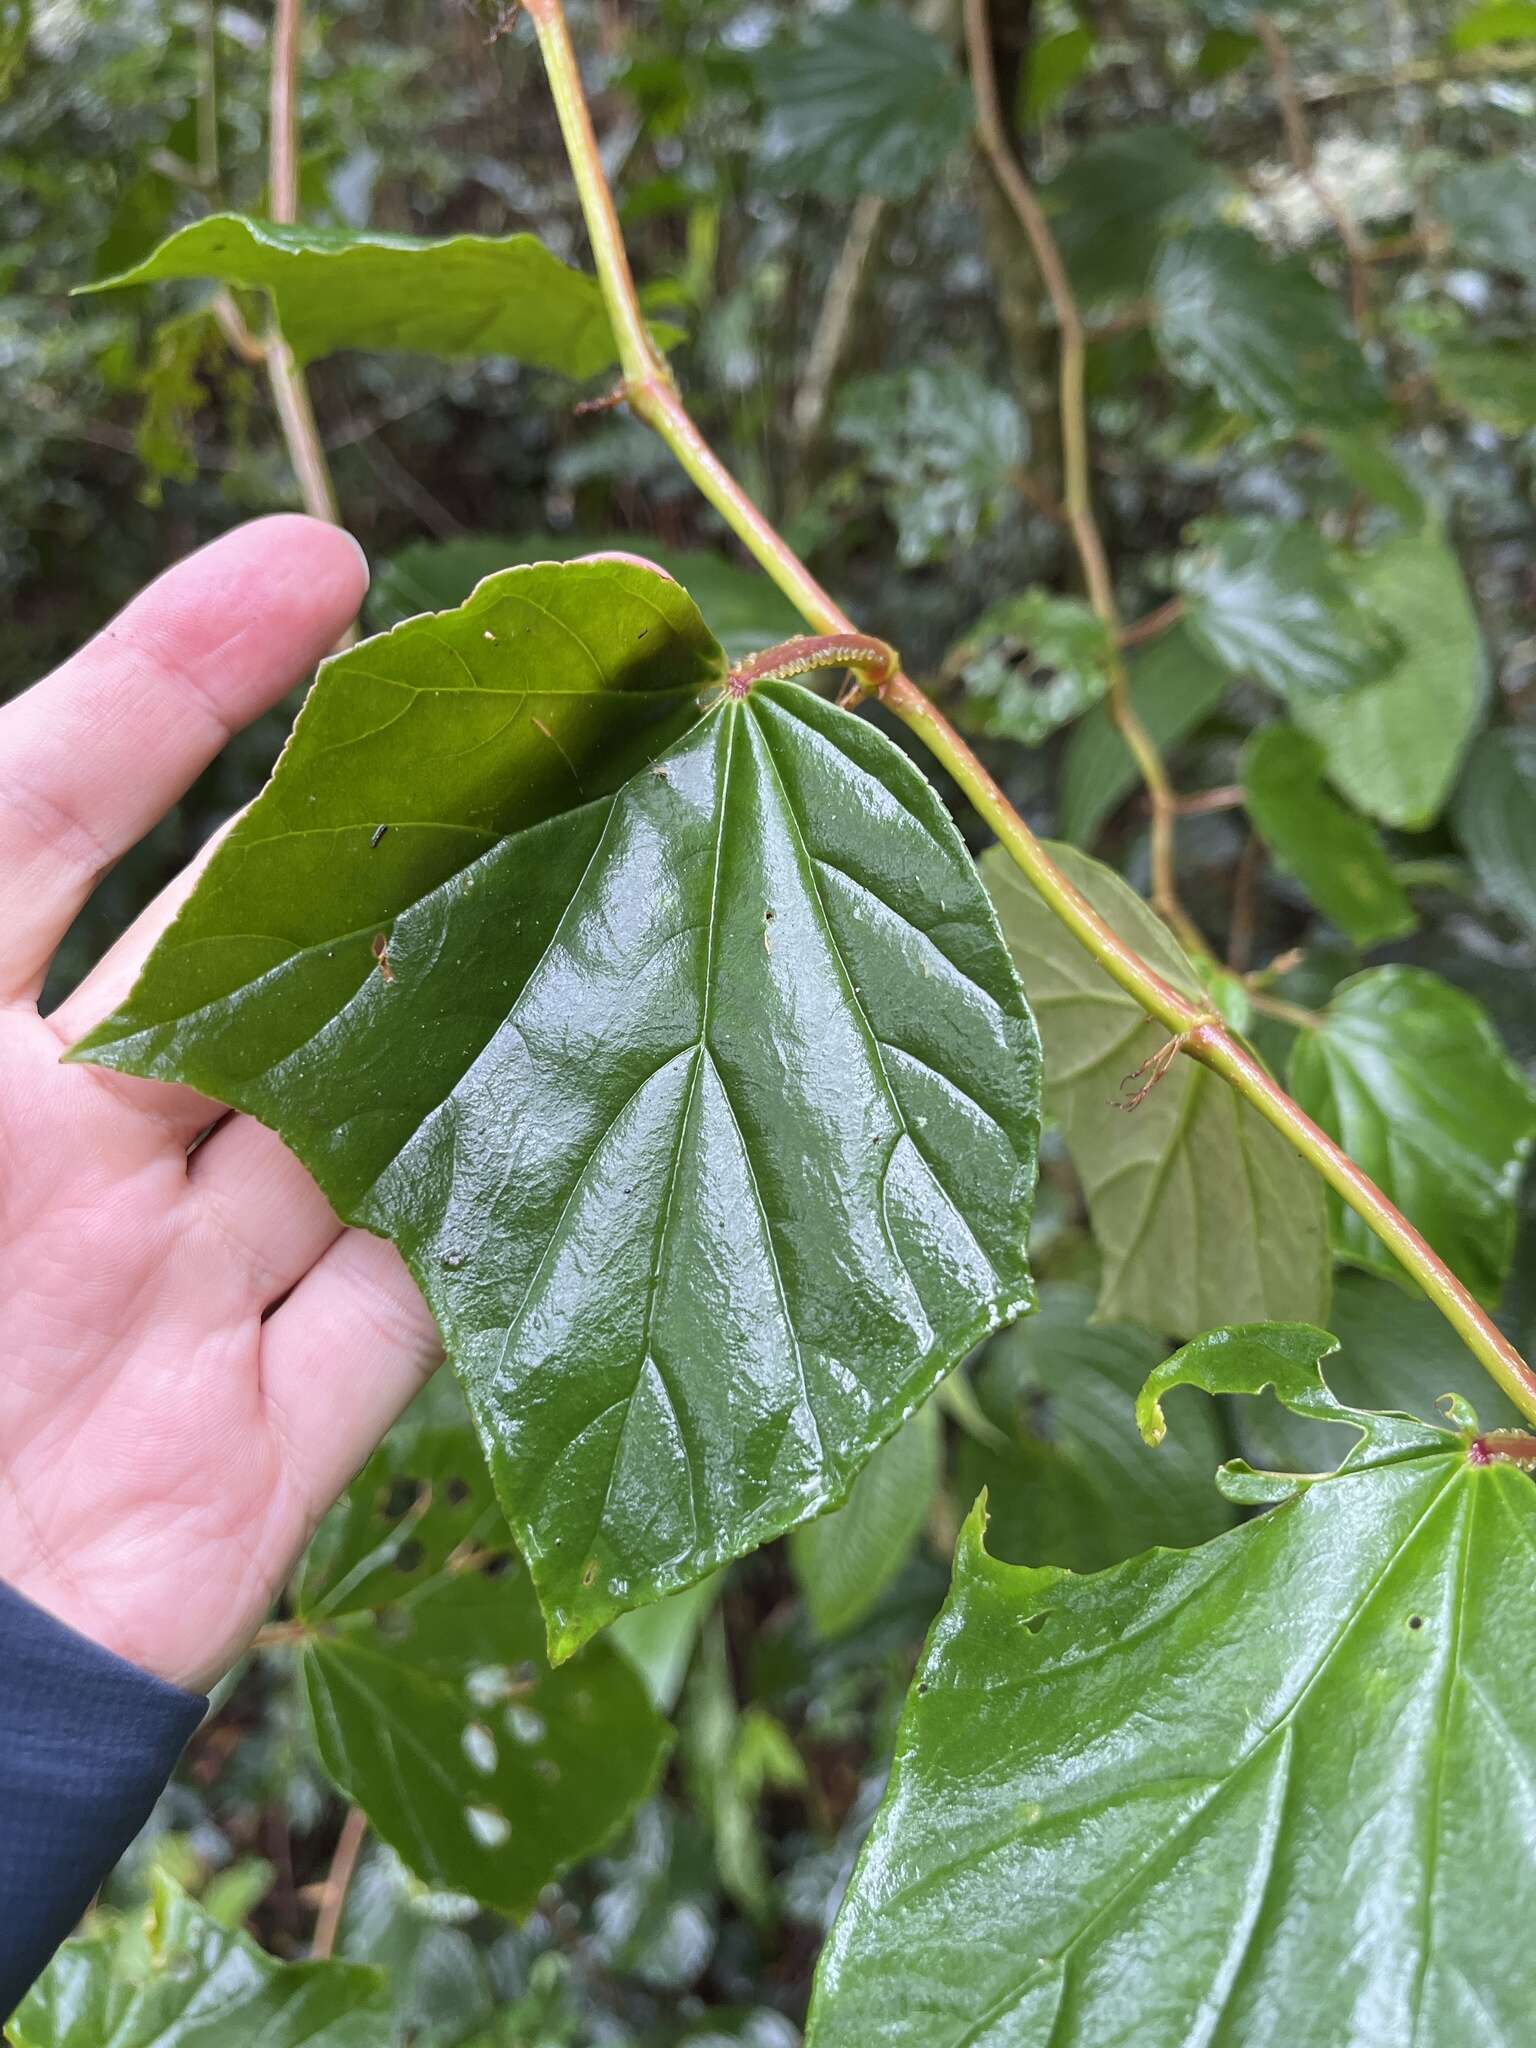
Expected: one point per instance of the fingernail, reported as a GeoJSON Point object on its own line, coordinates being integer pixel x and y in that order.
{"type": "Point", "coordinates": [361, 556]}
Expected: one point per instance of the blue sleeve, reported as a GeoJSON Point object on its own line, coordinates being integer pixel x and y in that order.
{"type": "Point", "coordinates": [86, 1745]}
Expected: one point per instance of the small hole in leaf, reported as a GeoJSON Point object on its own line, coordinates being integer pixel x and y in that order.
{"type": "Point", "coordinates": [1036, 1622]}
{"type": "Point", "coordinates": [410, 1557]}
{"type": "Point", "coordinates": [923, 1687]}
{"type": "Point", "coordinates": [497, 1566]}
{"type": "Point", "coordinates": [1415, 1621]}
{"type": "Point", "coordinates": [399, 1498]}
{"type": "Point", "coordinates": [489, 1828]}
{"type": "Point", "coordinates": [589, 1572]}
{"type": "Point", "coordinates": [456, 1492]}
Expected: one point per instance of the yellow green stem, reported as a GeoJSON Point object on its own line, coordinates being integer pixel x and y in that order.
{"type": "Point", "coordinates": [653, 394]}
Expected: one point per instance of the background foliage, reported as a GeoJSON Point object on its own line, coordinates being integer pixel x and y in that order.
{"type": "Point", "coordinates": [1314, 467]}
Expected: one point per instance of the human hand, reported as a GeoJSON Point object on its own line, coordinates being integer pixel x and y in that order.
{"type": "Point", "coordinates": [195, 1357]}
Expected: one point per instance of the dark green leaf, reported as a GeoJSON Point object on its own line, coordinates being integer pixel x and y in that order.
{"type": "Point", "coordinates": [704, 1112]}
{"type": "Point", "coordinates": [948, 448]}
{"type": "Point", "coordinates": [1239, 1794]}
{"type": "Point", "coordinates": [1116, 199]}
{"type": "Point", "coordinates": [845, 1561]}
{"type": "Point", "coordinates": [1335, 855]}
{"type": "Point", "coordinates": [744, 611]}
{"type": "Point", "coordinates": [1074, 1484]}
{"type": "Point", "coordinates": [433, 1703]}
{"type": "Point", "coordinates": [187, 1982]}
{"type": "Point", "coordinates": [1495, 819]}
{"type": "Point", "coordinates": [1175, 685]}
{"type": "Point", "coordinates": [1279, 602]}
{"type": "Point", "coordinates": [1199, 1208]}
{"type": "Point", "coordinates": [1490, 210]}
{"type": "Point", "coordinates": [1492, 380]}
{"type": "Point", "coordinates": [1029, 665]}
{"type": "Point", "coordinates": [1394, 746]}
{"type": "Point", "coordinates": [1264, 335]}
{"type": "Point", "coordinates": [471, 295]}
{"type": "Point", "coordinates": [866, 102]}
{"type": "Point", "coordinates": [1411, 1078]}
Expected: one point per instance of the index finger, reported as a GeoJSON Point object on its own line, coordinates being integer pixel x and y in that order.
{"type": "Point", "coordinates": [91, 756]}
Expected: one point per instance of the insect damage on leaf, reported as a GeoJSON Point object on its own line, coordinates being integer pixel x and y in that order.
{"type": "Point", "coordinates": [702, 1217]}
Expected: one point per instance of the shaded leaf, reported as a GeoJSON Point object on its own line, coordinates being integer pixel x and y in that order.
{"type": "Point", "coordinates": [187, 1982]}
{"type": "Point", "coordinates": [470, 295]}
{"type": "Point", "coordinates": [1263, 334]}
{"type": "Point", "coordinates": [1029, 665]}
{"type": "Point", "coordinates": [1199, 1208]}
{"type": "Point", "coordinates": [1118, 196]}
{"type": "Point", "coordinates": [1495, 819]}
{"type": "Point", "coordinates": [947, 447]}
{"type": "Point", "coordinates": [1492, 380]}
{"type": "Point", "coordinates": [1279, 602]}
{"type": "Point", "coordinates": [1366, 458]}
{"type": "Point", "coordinates": [1229, 1760]}
{"type": "Point", "coordinates": [1412, 1079]}
{"type": "Point", "coordinates": [659, 1640]}
{"type": "Point", "coordinates": [704, 1112]}
{"type": "Point", "coordinates": [1335, 855]}
{"type": "Point", "coordinates": [433, 1703]}
{"type": "Point", "coordinates": [1490, 210]}
{"type": "Point", "coordinates": [1175, 686]}
{"type": "Point", "coordinates": [845, 1561]}
{"type": "Point", "coordinates": [1054, 65]}
{"type": "Point", "coordinates": [1075, 1485]}
{"type": "Point", "coordinates": [866, 102]}
{"type": "Point", "coordinates": [1394, 746]}
{"type": "Point", "coordinates": [744, 611]}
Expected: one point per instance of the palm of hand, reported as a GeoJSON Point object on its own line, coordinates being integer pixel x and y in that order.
{"type": "Point", "coordinates": [194, 1356]}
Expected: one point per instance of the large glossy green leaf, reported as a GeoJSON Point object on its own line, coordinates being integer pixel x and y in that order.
{"type": "Point", "coordinates": [1071, 1482]}
{"type": "Point", "coordinates": [1278, 602]}
{"type": "Point", "coordinates": [845, 1561]}
{"type": "Point", "coordinates": [187, 1982]}
{"type": "Point", "coordinates": [1264, 335]}
{"type": "Point", "coordinates": [744, 611]}
{"type": "Point", "coordinates": [866, 102]}
{"type": "Point", "coordinates": [704, 1111]}
{"type": "Point", "coordinates": [1495, 819]}
{"type": "Point", "coordinates": [1337, 857]}
{"type": "Point", "coordinates": [1117, 197]}
{"type": "Point", "coordinates": [1030, 664]}
{"type": "Point", "coordinates": [1490, 209]}
{"type": "Point", "coordinates": [433, 1703]}
{"type": "Point", "coordinates": [1199, 1208]}
{"type": "Point", "coordinates": [1237, 1796]}
{"type": "Point", "coordinates": [1394, 746]}
{"type": "Point", "coordinates": [1411, 1078]}
{"type": "Point", "coordinates": [471, 295]}
{"type": "Point", "coordinates": [1175, 685]}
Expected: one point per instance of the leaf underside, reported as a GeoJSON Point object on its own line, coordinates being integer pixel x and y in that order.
{"type": "Point", "coordinates": [1230, 1796]}
{"type": "Point", "coordinates": [1200, 1209]}
{"type": "Point", "coordinates": [704, 1111]}
{"type": "Point", "coordinates": [467, 295]}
